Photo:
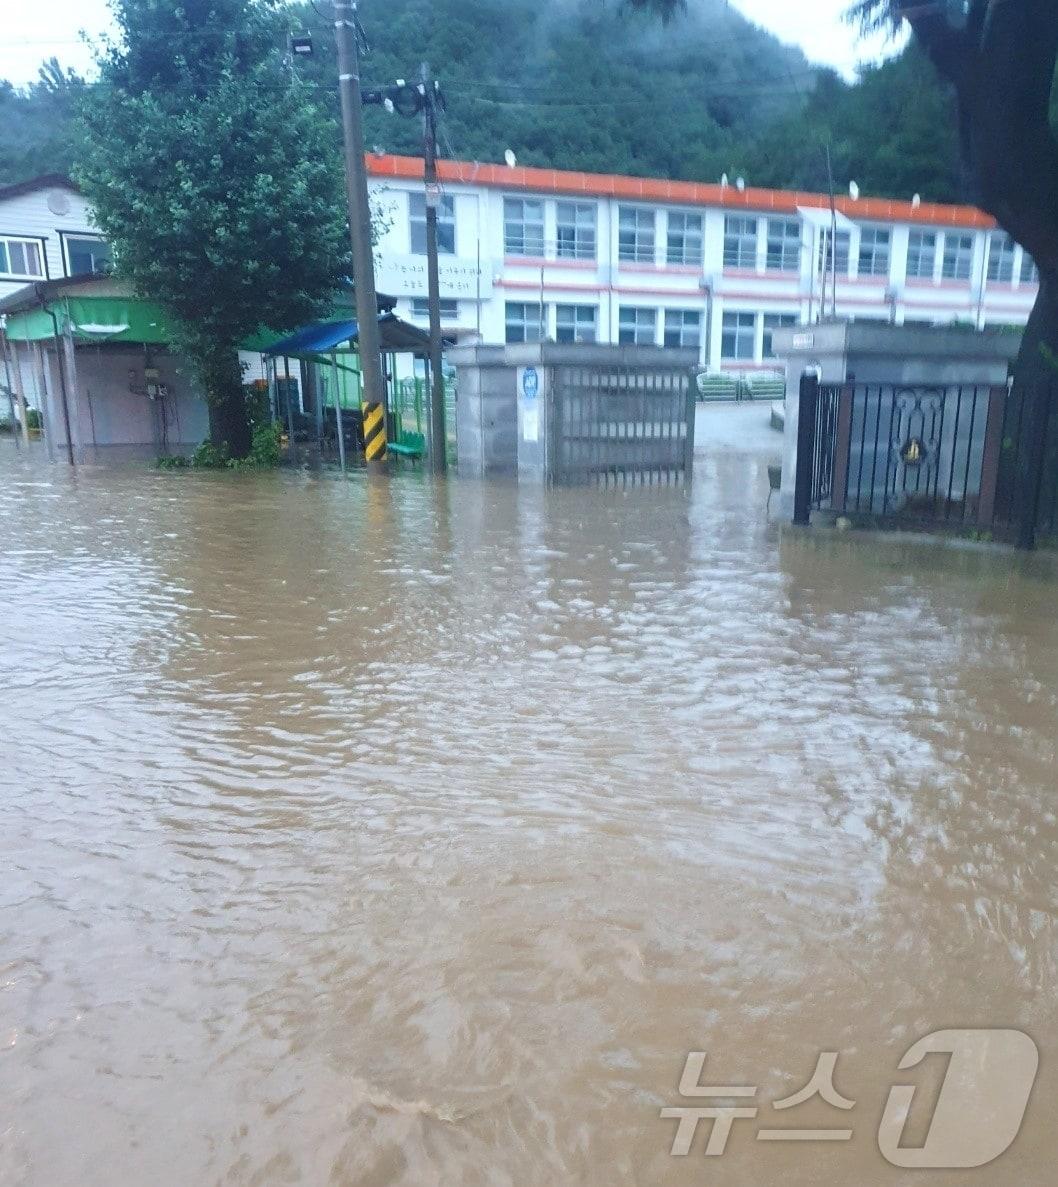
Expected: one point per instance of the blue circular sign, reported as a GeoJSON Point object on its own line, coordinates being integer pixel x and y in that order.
{"type": "Point", "coordinates": [530, 383]}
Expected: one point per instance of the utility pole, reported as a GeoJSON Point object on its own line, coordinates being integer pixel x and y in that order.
{"type": "Point", "coordinates": [373, 397]}
{"type": "Point", "coordinates": [833, 240]}
{"type": "Point", "coordinates": [438, 440]}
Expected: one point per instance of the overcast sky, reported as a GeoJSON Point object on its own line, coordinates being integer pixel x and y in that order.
{"type": "Point", "coordinates": [32, 30]}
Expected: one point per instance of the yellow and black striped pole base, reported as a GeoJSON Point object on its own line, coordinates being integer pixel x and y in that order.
{"type": "Point", "coordinates": [374, 432]}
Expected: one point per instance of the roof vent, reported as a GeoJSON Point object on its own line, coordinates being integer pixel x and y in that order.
{"type": "Point", "coordinates": [58, 202]}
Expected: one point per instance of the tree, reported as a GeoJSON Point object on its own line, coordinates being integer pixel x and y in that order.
{"type": "Point", "coordinates": [217, 182]}
{"type": "Point", "coordinates": [1000, 58]}
{"type": "Point", "coordinates": [37, 124]}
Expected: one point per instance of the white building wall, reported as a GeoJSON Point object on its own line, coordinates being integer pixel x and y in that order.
{"type": "Point", "coordinates": [609, 283]}
{"type": "Point", "coordinates": [47, 216]}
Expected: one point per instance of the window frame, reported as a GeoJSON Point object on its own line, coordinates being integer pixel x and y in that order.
{"type": "Point", "coordinates": [771, 322]}
{"type": "Point", "coordinates": [510, 243]}
{"type": "Point", "coordinates": [961, 254]}
{"type": "Point", "coordinates": [682, 258]}
{"type": "Point", "coordinates": [876, 247]}
{"type": "Point", "coordinates": [785, 240]}
{"type": "Point", "coordinates": [636, 311]}
{"type": "Point", "coordinates": [449, 308]}
{"type": "Point", "coordinates": [85, 236]}
{"type": "Point", "coordinates": [579, 251]}
{"type": "Point", "coordinates": [733, 258]}
{"type": "Point", "coordinates": [39, 242]}
{"type": "Point", "coordinates": [921, 252]}
{"type": "Point", "coordinates": [576, 310]}
{"type": "Point", "coordinates": [446, 221]}
{"type": "Point", "coordinates": [678, 333]}
{"type": "Point", "coordinates": [536, 320]}
{"type": "Point", "coordinates": [746, 321]}
{"type": "Point", "coordinates": [1003, 259]}
{"type": "Point", "coordinates": [638, 253]}
{"type": "Point", "coordinates": [841, 249]}
{"type": "Point", "coordinates": [1029, 272]}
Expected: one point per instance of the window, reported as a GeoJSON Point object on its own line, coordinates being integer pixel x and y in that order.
{"type": "Point", "coordinates": [637, 327]}
{"type": "Point", "coordinates": [784, 245]}
{"type": "Point", "coordinates": [1030, 274]}
{"type": "Point", "coordinates": [775, 321]}
{"type": "Point", "coordinates": [523, 227]}
{"type": "Point", "coordinates": [1000, 257]}
{"type": "Point", "coordinates": [420, 308]}
{"type": "Point", "coordinates": [446, 224]}
{"type": "Point", "coordinates": [739, 339]}
{"type": "Point", "coordinates": [576, 323]}
{"type": "Point", "coordinates": [958, 257]}
{"type": "Point", "coordinates": [874, 252]}
{"type": "Point", "coordinates": [635, 235]}
{"type": "Point", "coordinates": [21, 258]}
{"type": "Point", "coordinates": [525, 322]}
{"type": "Point", "coordinates": [683, 327]}
{"type": "Point", "coordinates": [86, 255]}
{"type": "Point", "coordinates": [740, 242]}
{"type": "Point", "coordinates": [921, 254]}
{"type": "Point", "coordinates": [842, 253]}
{"type": "Point", "coordinates": [685, 238]}
{"type": "Point", "coordinates": [576, 230]}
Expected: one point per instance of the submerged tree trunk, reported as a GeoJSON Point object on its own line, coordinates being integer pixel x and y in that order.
{"type": "Point", "coordinates": [1002, 67]}
{"type": "Point", "coordinates": [229, 421]}
{"type": "Point", "coordinates": [1026, 465]}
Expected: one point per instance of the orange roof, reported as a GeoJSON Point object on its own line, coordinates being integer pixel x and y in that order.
{"type": "Point", "coordinates": [684, 193]}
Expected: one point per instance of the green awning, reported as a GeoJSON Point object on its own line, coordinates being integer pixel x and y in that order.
{"type": "Point", "coordinates": [93, 319]}
{"type": "Point", "coordinates": [109, 319]}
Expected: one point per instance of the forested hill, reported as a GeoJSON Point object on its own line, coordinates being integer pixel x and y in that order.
{"type": "Point", "coordinates": [588, 84]}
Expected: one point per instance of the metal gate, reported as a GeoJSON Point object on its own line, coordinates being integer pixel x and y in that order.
{"type": "Point", "coordinates": [622, 425]}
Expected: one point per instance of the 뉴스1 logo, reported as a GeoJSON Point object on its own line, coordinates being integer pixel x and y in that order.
{"type": "Point", "coordinates": [975, 1118]}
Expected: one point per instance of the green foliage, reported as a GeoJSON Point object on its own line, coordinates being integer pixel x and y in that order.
{"type": "Point", "coordinates": [893, 132]}
{"type": "Point", "coordinates": [575, 84]}
{"type": "Point", "coordinates": [264, 450]}
{"type": "Point", "coordinates": [37, 126]}
{"type": "Point", "coordinates": [32, 418]}
{"type": "Point", "coordinates": [210, 457]}
{"type": "Point", "coordinates": [171, 461]}
{"type": "Point", "coordinates": [217, 181]}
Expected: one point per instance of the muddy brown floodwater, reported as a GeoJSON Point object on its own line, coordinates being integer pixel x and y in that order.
{"type": "Point", "coordinates": [415, 834]}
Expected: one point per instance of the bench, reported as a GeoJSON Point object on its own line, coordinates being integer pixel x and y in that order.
{"type": "Point", "coordinates": [410, 445]}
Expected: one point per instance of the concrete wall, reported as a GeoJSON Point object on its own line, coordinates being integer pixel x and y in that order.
{"type": "Point", "coordinates": [504, 423]}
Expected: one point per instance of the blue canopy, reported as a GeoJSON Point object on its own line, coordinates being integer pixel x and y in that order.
{"type": "Point", "coordinates": [321, 337]}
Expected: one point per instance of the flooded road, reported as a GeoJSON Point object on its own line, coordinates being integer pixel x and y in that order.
{"type": "Point", "coordinates": [414, 835]}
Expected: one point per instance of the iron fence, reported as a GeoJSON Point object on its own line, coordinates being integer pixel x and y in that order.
{"type": "Point", "coordinates": [931, 456]}
{"type": "Point", "coordinates": [622, 425]}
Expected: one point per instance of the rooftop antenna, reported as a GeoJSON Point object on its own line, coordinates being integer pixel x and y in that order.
{"type": "Point", "coordinates": [916, 201]}
{"type": "Point", "coordinates": [510, 158]}
{"type": "Point", "coordinates": [854, 191]}
{"type": "Point", "coordinates": [740, 184]}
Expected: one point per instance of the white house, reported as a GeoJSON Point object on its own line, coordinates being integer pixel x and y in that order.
{"type": "Point", "coordinates": [46, 233]}
{"type": "Point", "coordinates": [530, 254]}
